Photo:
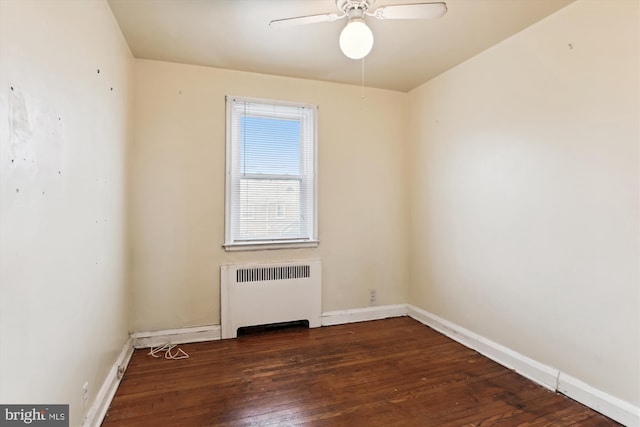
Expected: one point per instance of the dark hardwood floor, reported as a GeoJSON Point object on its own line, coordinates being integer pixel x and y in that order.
{"type": "Point", "coordinates": [393, 372]}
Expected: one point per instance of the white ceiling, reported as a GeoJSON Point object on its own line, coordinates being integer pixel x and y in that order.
{"type": "Point", "coordinates": [235, 34]}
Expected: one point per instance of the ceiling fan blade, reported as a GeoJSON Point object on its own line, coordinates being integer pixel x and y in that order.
{"type": "Point", "coordinates": [303, 20]}
{"type": "Point", "coordinates": [411, 11]}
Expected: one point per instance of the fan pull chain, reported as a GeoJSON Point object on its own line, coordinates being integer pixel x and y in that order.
{"type": "Point", "coordinates": [362, 81]}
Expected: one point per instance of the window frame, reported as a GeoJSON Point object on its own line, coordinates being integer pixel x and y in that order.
{"type": "Point", "coordinates": [230, 241]}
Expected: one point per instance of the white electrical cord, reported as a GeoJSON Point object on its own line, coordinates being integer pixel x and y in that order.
{"type": "Point", "coordinates": [167, 348]}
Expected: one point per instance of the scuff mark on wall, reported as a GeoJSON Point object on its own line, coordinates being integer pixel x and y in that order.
{"type": "Point", "coordinates": [20, 132]}
{"type": "Point", "coordinates": [36, 134]}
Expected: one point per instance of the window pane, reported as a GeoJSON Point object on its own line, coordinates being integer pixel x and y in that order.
{"type": "Point", "coordinates": [271, 186]}
{"type": "Point", "coordinates": [269, 146]}
{"type": "Point", "coordinates": [274, 206]}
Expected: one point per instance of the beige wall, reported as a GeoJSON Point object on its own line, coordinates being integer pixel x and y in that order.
{"type": "Point", "coordinates": [178, 191]}
{"type": "Point", "coordinates": [64, 312]}
{"type": "Point", "coordinates": [524, 198]}
{"type": "Point", "coordinates": [518, 219]}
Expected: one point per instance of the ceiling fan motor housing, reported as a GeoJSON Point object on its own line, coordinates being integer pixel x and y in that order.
{"type": "Point", "coordinates": [349, 6]}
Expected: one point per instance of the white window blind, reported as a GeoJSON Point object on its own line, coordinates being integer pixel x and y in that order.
{"type": "Point", "coordinates": [271, 177]}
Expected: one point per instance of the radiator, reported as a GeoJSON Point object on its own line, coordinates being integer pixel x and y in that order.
{"type": "Point", "coordinates": [261, 294]}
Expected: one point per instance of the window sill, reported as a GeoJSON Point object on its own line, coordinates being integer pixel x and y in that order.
{"type": "Point", "coordinates": [255, 246]}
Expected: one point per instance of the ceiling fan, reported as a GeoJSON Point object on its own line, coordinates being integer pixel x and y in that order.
{"type": "Point", "coordinates": [356, 39]}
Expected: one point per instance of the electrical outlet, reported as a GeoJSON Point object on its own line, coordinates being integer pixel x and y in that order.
{"type": "Point", "coordinates": [372, 295]}
{"type": "Point", "coordinates": [85, 396]}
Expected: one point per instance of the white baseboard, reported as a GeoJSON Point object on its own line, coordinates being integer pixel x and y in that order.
{"type": "Point", "coordinates": [103, 399]}
{"type": "Point", "coordinates": [549, 377]}
{"type": "Point", "coordinates": [363, 314]}
{"type": "Point", "coordinates": [616, 409]}
{"type": "Point", "coordinates": [177, 336]}
{"type": "Point", "coordinates": [529, 368]}
{"type": "Point", "coordinates": [98, 410]}
{"type": "Point", "coordinates": [213, 332]}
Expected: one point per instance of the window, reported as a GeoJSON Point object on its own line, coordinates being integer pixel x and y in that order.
{"type": "Point", "coordinates": [271, 175]}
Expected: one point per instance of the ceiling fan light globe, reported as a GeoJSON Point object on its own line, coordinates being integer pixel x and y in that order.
{"type": "Point", "coordinates": [356, 39]}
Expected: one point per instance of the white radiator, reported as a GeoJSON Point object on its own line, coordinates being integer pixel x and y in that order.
{"type": "Point", "coordinates": [261, 294]}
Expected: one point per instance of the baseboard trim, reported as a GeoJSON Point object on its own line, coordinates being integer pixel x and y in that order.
{"type": "Point", "coordinates": [614, 408]}
{"type": "Point", "coordinates": [551, 378]}
{"type": "Point", "coordinates": [98, 409]}
{"type": "Point", "coordinates": [529, 368]}
{"type": "Point", "coordinates": [177, 336]}
{"type": "Point", "coordinates": [213, 332]}
{"type": "Point", "coordinates": [340, 317]}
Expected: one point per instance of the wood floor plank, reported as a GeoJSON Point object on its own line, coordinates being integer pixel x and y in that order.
{"type": "Point", "coordinates": [392, 372]}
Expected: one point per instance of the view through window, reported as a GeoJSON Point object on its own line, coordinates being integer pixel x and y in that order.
{"type": "Point", "coordinates": [270, 173]}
